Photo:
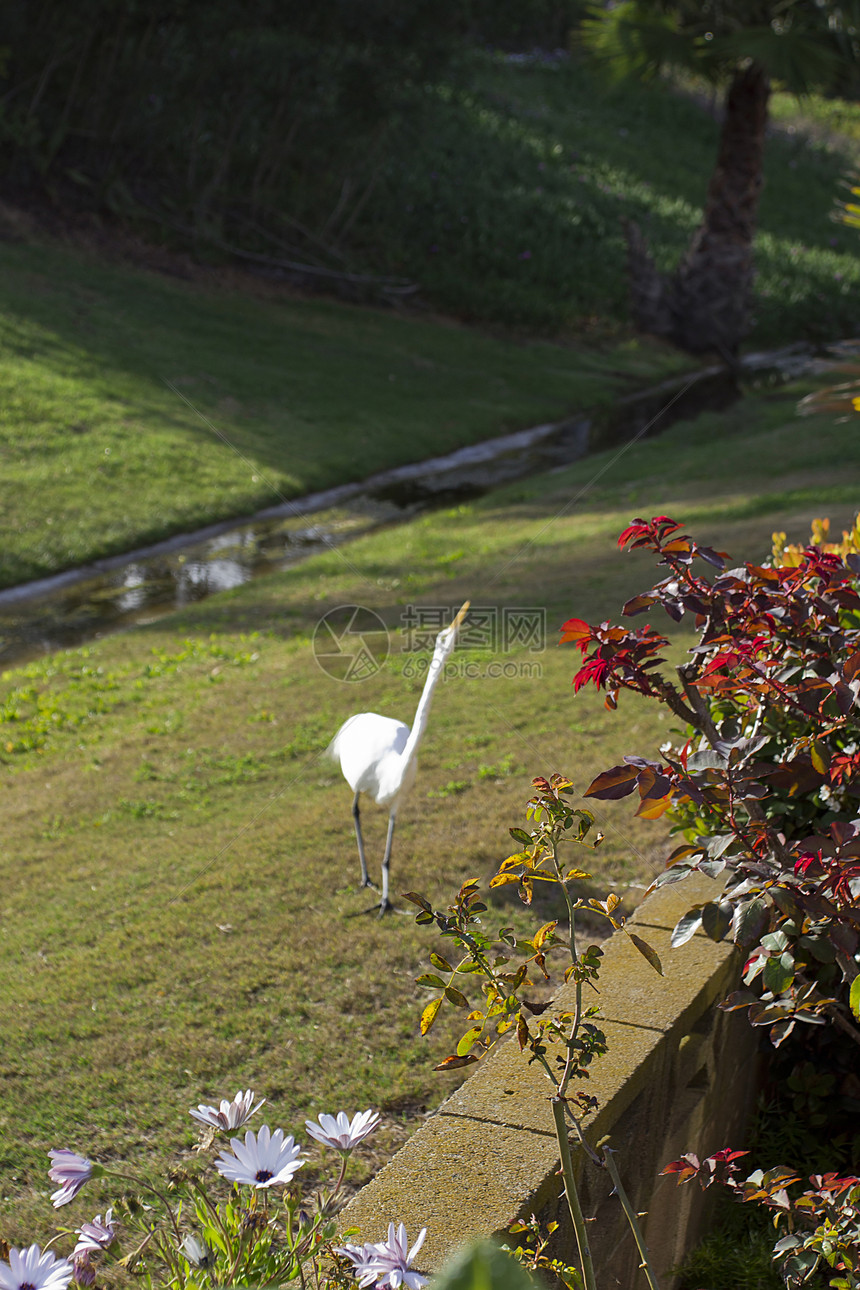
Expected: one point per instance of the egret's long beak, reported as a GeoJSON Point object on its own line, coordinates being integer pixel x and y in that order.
{"type": "Point", "coordinates": [460, 615]}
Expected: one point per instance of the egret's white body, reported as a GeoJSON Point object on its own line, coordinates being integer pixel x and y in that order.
{"type": "Point", "coordinates": [379, 755]}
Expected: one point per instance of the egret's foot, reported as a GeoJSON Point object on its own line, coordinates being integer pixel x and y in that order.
{"type": "Point", "coordinates": [368, 882]}
{"type": "Point", "coordinates": [381, 909]}
{"type": "Point", "coordinates": [389, 908]}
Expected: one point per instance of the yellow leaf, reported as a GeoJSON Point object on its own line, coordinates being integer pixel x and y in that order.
{"type": "Point", "coordinates": [428, 1016]}
{"type": "Point", "coordinates": [545, 931]}
{"type": "Point", "coordinates": [653, 808]}
{"type": "Point", "coordinates": [520, 857]}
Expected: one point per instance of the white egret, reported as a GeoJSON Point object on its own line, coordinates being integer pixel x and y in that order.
{"type": "Point", "coordinates": [378, 755]}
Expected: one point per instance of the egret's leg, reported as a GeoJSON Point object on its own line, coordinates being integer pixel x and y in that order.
{"type": "Point", "coordinates": [356, 815]}
{"type": "Point", "coordinates": [384, 902]}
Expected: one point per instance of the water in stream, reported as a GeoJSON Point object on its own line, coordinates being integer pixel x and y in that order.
{"type": "Point", "coordinates": [109, 594]}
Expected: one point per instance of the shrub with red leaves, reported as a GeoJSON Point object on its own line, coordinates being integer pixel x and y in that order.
{"type": "Point", "coordinates": [823, 1222]}
{"type": "Point", "coordinates": [765, 789]}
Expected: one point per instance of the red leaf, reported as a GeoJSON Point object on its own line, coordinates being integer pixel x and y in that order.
{"type": "Point", "coordinates": [638, 605]}
{"type": "Point", "coordinates": [452, 1063]}
{"type": "Point", "coordinates": [617, 782]}
{"type": "Point", "coordinates": [576, 630]}
{"type": "Point", "coordinates": [596, 670]}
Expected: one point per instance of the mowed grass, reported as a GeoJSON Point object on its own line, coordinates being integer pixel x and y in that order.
{"type": "Point", "coordinates": [179, 904]}
{"type": "Point", "coordinates": [133, 406]}
{"type": "Point", "coordinates": [506, 199]}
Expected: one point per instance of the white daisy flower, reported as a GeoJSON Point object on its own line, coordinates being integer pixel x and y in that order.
{"type": "Point", "coordinates": [196, 1252]}
{"type": "Point", "coordinates": [96, 1235]}
{"type": "Point", "coordinates": [393, 1258]}
{"type": "Point", "coordinates": [71, 1171]}
{"type": "Point", "coordinates": [363, 1259]}
{"type": "Point", "coordinates": [341, 1133]}
{"type": "Point", "coordinates": [386, 1263]}
{"type": "Point", "coordinates": [32, 1270]}
{"type": "Point", "coordinates": [267, 1160]}
{"type": "Point", "coordinates": [229, 1115]}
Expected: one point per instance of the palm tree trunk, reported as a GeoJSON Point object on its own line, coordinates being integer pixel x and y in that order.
{"type": "Point", "coordinates": [713, 283]}
{"type": "Point", "coordinates": [705, 304]}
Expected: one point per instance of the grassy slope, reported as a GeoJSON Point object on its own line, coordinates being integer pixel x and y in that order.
{"type": "Point", "coordinates": [506, 201]}
{"type": "Point", "coordinates": [177, 864]}
{"type": "Point", "coordinates": [273, 398]}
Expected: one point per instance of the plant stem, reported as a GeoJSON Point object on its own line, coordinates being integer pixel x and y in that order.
{"type": "Point", "coordinates": [577, 1013]}
{"type": "Point", "coordinates": [147, 1186]}
{"type": "Point", "coordinates": [571, 911]}
{"type": "Point", "coordinates": [570, 1192]}
{"type": "Point", "coordinates": [631, 1218]}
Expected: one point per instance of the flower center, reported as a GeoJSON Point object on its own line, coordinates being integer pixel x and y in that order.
{"type": "Point", "coordinates": [26, 1285]}
{"type": "Point", "coordinates": [262, 1175]}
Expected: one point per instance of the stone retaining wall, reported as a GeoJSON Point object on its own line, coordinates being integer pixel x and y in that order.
{"type": "Point", "coordinates": [679, 1076]}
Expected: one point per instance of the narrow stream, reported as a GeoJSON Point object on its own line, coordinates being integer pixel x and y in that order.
{"type": "Point", "coordinates": [141, 586]}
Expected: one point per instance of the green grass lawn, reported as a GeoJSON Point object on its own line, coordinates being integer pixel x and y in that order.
{"type": "Point", "coordinates": [179, 903]}
{"type": "Point", "coordinates": [133, 406]}
{"type": "Point", "coordinates": [505, 200]}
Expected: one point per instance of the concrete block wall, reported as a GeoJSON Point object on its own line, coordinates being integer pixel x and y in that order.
{"type": "Point", "coordinates": [679, 1076]}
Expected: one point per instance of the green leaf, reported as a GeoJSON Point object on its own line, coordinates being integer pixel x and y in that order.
{"type": "Point", "coordinates": [430, 979]}
{"type": "Point", "coordinates": [748, 920]}
{"type": "Point", "coordinates": [417, 899]}
{"type": "Point", "coordinates": [819, 947]}
{"type": "Point", "coordinates": [439, 962]}
{"type": "Point", "coordinates": [455, 997]}
{"type": "Point", "coordinates": [854, 997]}
{"type": "Point", "coordinates": [687, 927]}
{"type": "Point", "coordinates": [716, 920]}
{"type": "Point", "coordinates": [520, 835]}
{"type": "Point", "coordinates": [646, 951]}
{"type": "Point", "coordinates": [483, 1266]}
{"type": "Point", "coordinates": [467, 1041]}
{"type": "Point", "coordinates": [778, 973]}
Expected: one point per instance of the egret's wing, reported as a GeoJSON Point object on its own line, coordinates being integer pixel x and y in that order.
{"type": "Point", "coordinates": [362, 744]}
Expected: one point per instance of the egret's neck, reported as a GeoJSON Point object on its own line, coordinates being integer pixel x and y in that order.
{"type": "Point", "coordinates": [422, 712]}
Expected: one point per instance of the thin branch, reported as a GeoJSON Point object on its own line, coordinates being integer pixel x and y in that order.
{"type": "Point", "coordinates": [632, 1218]}
{"type": "Point", "coordinates": [570, 1192]}
{"type": "Point", "coordinates": [702, 718]}
{"type": "Point", "coordinates": [843, 1023]}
